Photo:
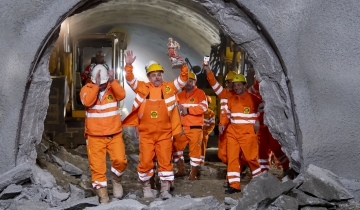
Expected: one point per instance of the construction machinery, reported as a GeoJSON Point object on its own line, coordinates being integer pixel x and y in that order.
{"type": "Point", "coordinates": [70, 56]}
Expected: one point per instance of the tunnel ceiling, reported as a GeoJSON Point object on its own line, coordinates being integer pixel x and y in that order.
{"type": "Point", "coordinates": [185, 19]}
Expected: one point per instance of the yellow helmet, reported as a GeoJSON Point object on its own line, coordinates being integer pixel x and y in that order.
{"type": "Point", "coordinates": [192, 75]}
{"type": "Point", "coordinates": [154, 67]}
{"type": "Point", "coordinates": [230, 75]}
{"type": "Point", "coordinates": [239, 78]}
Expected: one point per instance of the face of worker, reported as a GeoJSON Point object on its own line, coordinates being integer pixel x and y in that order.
{"type": "Point", "coordinates": [239, 88]}
{"type": "Point", "coordinates": [229, 85]}
{"type": "Point", "coordinates": [99, 59]}
{"type": "Point", "coordinates": [102, 87]}
{"type": "Point", "coordinates": [189, 85]}
{"type": "Point", "coordinates": [156, 78]}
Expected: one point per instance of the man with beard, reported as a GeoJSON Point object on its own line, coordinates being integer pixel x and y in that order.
{"type": "Point", "coordinates": [192, 104]}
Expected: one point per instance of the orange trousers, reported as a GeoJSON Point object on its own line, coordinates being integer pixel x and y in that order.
{"type": "Point", "coordinates": [266, 143]}
{"type": "Point", "coordinates": [241, 138]}
{"type": "Point", "coordinates": [155, 141]}
{"type": "Point", "coordinates": [96, 148]}
{"type": "Point", "coordinates": [204, 146]}
{"type": "Point", "coordinates": [194, 138]}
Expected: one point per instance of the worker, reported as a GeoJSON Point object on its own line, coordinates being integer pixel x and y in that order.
{"type": "Point", "coordinates": [103, 130]}
{"type": "Point", "coordinates": [224, 94]}
{"type": "Point", "coordinates": [241, 112]}
{"type": "Point", "coordinates": [267, 143]}
{"type": "Point", "coordinates": [209, 124]}
{"type": "Point", "coordinates": [157, 117]}
{"type": "Point", "coordinates": [100, 57]}
{"type": "Point", "coordinates": [192, 104]}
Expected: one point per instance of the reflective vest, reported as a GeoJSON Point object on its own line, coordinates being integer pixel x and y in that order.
{"type": "Point", "coordinates": [102, 116]}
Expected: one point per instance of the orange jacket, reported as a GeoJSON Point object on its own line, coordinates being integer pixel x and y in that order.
{"type": "Point", "coordinates": [196, 103]}
{"type": "Point", "coordinates": [145, 90]}
{"type": "Point", "coordinates": [241, 110]}
{"type": "Point", "coordinates": [102, 116]}
{"type": "Point", "coordinates": [141, 88]}
{"type": "Point", "coordinates": [209, 121]}
{"type": "Point", "coordinates": [255, 90]}
{"type": "Point", "coordinates": [223, 93]}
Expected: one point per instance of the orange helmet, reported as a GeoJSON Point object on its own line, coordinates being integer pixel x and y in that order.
{"type": "Point", "coordinates": [208, 99]}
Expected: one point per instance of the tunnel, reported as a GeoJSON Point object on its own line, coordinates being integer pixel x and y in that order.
{"type": "Point", "coordinates": [282, 44]}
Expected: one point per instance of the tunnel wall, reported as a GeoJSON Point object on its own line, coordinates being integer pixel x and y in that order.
{"type": "Point", "coordinates": [318, 44]}
{"type": "Point", "coordinates": [314, 59]}
{"type": "Point", "coordinates": [24, 27]}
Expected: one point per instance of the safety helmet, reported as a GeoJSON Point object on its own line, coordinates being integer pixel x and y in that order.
{"type": "Point", "coordinates": [154, 67]}
{"type": "Point", "coordinates": [208, 99]}
{"type": "Point", "coordinates": [192, 75]}
{"type": "Point", "coordinates": [239, 78]}
{"type": "Point", "coordinates": [103, 68]}
{"type": "Point", "coordinates": [149, 64]}
{"type": "Point", "coordinates": [230, 75]}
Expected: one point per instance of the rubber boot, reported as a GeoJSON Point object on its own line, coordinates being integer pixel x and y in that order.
{"type": "Point", "coordinates": [117, 187]}
{"type": "Point", "coordinates": [103, 195]}
{"type": "Point", "coordinates": [180, 168]}
{"type": "Point", "coordinates": [165, 189]}
{"type": "Point", "coordinates": [193, 173]}
{"type": "Point", "coordinates": [147, 190]}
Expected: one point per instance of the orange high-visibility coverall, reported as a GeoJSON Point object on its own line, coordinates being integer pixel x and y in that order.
{"type": "Point", "coordinates": [196, 104]}
{"type": "Point", "coordinates": [157, 117]}
{"type": "Point", "coordinates": [103, 130]}
{"type": "Point", "coordinates": [241, 137]}
{"type": "Point", "coordinates": [224, 94]}
{"type": "Point", "coordinates": [209, 124]}
{"type": "Point", "coordinates": [265, 139]}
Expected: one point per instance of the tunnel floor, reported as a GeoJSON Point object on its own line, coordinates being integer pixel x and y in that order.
{"type": "Point", "coordinates": [209, 181]}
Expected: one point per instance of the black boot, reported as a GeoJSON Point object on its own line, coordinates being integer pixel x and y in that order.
{"type": "Point", "coordinates": [231, 190]}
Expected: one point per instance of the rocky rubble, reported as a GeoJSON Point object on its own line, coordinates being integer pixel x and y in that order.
{"type": "Point", "coordinates": [60, 181]}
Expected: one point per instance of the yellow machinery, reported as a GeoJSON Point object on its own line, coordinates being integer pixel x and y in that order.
{"type": "Point", "coordinates": [68, 60]}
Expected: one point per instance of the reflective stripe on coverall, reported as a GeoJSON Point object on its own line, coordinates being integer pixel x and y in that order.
{"type": "Point", "coordinates": [196, 103]}
{"type": "Point", "coordinates": [223, 94]}
{"type": "Point", "coordinates": [265, 139]}
{"type": "Point", "coordinates": [209, 124]}
{"type": "Point", "coordinates": [103, 130]}
{"type": "Point", "coordinates": [241, 135]}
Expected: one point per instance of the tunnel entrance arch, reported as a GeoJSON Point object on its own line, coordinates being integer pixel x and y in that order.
{"type": "Point", "coordinates": [238, 25]}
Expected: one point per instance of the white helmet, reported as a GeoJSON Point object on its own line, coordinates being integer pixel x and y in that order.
{"type": "Point", "coordinates": [103, 73]}
{"type": "Point", "coordinates": [149, 64]}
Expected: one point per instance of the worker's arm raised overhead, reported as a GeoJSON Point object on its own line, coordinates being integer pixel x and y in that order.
{"type": "Point", "coordinates": [215, 85]}
{"type": "Point", "coordinates": [180, 81]}
{"type": "Point", "coordinates": [133, 82]}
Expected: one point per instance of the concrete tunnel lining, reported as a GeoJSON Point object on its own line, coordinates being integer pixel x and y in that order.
{"type": "Point", "coordinates": [236, 24]}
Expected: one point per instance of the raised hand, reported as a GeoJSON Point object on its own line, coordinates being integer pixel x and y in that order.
{"type": "Point", "coordinates": [111, 75]}
{"type": "Point", "coordinates": [129, 57]}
